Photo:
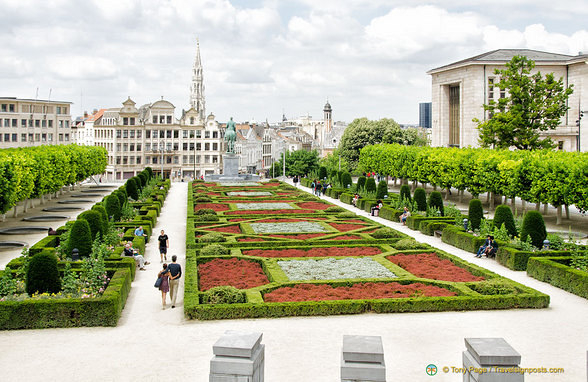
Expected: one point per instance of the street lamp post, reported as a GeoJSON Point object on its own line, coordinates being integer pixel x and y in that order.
{"type": "Point", "coordinates": [284, 169]}
{"type": "Point", "coordinates": [334, 146]}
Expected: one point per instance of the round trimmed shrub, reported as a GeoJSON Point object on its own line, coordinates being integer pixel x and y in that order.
{"type": "Point", "coordinates": [102, 211]}
{"type": "Point", "coordinates": [385, 233]}
{"type": "Point", "coordinates": [408, 243]}
{"type": "Point", "coordinates": [503, 215]}
{"type": "Point", "coordinates": [42, 274]}
{"type": "Point", "coordinates": [132, 189]}
{"type": "Point", "coordinates": [405, 193]}
{"type": "Point", "coordinates": [212, 237]}
{"type": "Point", "coordinates": [370, 185]}
{"type": "Point", "coordinates": [382, 190]}
{"type": "Point", "coordinates": [420, 197]}
{"type": "Point", "coordinates": [95, 222]}
{"type": "Point", "coordinates": [205, 211]}
{"type": "Point", "coordinates": [322, 173]}
{"type": "Point", "coordinates": [214, 250]}
{"type": "Point", "coordinates": [436, 201]}
{"type": "Point", "coordinates": [534, 226]}
{"type": "Point", "coordinates": [475, 213]}
{"type": "Point", "coordinates": [143, 178]}
{"type": "Point", "coordinates": [223, 295]}
{"type": "Point", "coordinates": [113, 208]}
{"type": "Point", "coordinates": [206, 218]}
{"type": "Point", "coordinates": [361, 183]}
{"type": "Point", "coordinates": [80, 237]}
{"type": "Point", "coordinates": [335, 209]}
{"type": "Point", "coordinates": [346, 215]}
{"type": "Point", "coordinates": [202, 199]}
{"type": "Point", "coordinates": [346, 179]}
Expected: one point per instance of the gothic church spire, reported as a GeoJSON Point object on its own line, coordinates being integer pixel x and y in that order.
{"type": "Point", "coordinates": [197, 86]}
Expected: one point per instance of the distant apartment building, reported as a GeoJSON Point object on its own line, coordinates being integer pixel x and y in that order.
{"type": "Point", "coordinates": [425, 120]}
{"type": "Point", "coordinates": [460, 89]}
{"type": "Point", "coordinates": [32, 122]}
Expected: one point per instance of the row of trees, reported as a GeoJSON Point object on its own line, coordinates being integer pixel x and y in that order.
{"type": "Point", "coordinates": [299, 162]}
{"type": "Point", "coordinates": [36, 171]}
{"type": "Point", "coordinates": [551, 177]}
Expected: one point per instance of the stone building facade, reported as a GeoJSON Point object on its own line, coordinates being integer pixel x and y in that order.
{"type": "Point", "coordinates": [460, 89]}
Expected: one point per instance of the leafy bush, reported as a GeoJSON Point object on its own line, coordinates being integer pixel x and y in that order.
{"type": "Point", "coordinates": [214, 250]}
{"type": "Point", "coordinates": [385, 233]}
{"type": "Point", "coordinates": [475, 213]}
{"type": "Point", "coordinates": [122, 197]}
{"type": "Point", "coordinates": [205, 211]}
{"type": "Point", "coordinates": [346, 180]}
{"type": "Point", "coordinates": [223, 295]}
{"type": "Point", "coordinates": [370, 185]}
{"type": "Point", "coordinates": [408, 243]}
{"type": "Point", "coordinates": [80, 237]}
{"type": "Point", "coordinates": [100, 208]}
{"type": "Point", "coordinates": [436, 201]}
{"type": "Point", "coordinates": [360, 183]}
{"type": "Point", "coordinates": [494, 286]}
{"type": "Point", "coordinates": [346, 215]}
{"type": "Point", "coordinates": [322, 173]}
{"type": "Point", "coordinates": [206, 218]}
{"type": "Point", "coordinates": [382, 190]}
{"type": "Point", "coordinates": [42, 274]}
{"type": "Point", "coordinates": [405, 192]}
{"type": "Point", "coordinates": [335, 209]}
{"type": "Point", "coordinates": [95, 222]}
{"type": "Point", "coordinates": [503, 215]}
{"type": "Point", "coordinates": [420, 197]}
{"type": "Point", "coordinates": [202, 199]}
{"type": "Point", "coordinates": [132, 189]}
{"type": "Point", "coordinates": [141, 177]}
{"type": "Point", "coordinates": [212, 237]}
{"type": "Point", "coordinates": [128, 212]}
{"type": "Point", "coordinates": [113, 207]}
{"type": "Point", "coordinates": [534, 226]}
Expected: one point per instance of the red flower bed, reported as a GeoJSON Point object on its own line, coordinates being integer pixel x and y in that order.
{"type": "Point", "coordinates": [321, 292]}
{"type": "Point", "coordinates": [272, 184]}
{"type": "Point", "coordinates": [431, 266]}
{"type": "Point", "coordinates": [346, 227]}
{"type": "Point", "coordinates": [347, 237]}
{"type": "Point", "coordinates": [248, 200]}
{"type": "Point", "coordinates": [268, 212]}
{"type": "Point", "coordinates": [285, 220]}
{"type": "Point", "coordinates": [301, 236]}
{"type": "Point", "coordinates": [284, 193]}
{"type": "Point", "coordinates": [250, 239]}
{"type": "Point", "coordinates": [355, 221]}
{"type": "Point", "coordinates": [225, 229]}
{"type": "Point", "coordinates": [196, 185]}
{"type": "Point", "coordinates": [239, 273]}
{"type": "Point", "coordinates": [214, 206]}
{"type": "Point", "coordinates": [213, 194]}
{"type": "Point", "coordinates": [313, 205]}
{"type": "Point", "coordinates": [239, 219]}
{"type": "Point", "coordinates": [314, 252]}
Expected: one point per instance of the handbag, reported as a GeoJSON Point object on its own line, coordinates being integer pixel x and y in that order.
{"type": "Point", "coordinates": [158, 282]}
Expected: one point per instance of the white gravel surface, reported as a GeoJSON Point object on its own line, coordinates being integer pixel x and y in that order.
{"type": "Point", "coordinates": [263, 206]}
{"type": "Point", "coordinates": [288, 227]}
{"type": "Point", "coordinates": [334, 269]}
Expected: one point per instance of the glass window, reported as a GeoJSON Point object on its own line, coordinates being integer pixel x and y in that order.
{"type": "Point", "coordinates": [30, 137]}
{"type": "Point", "coordinates": [125, 160]}
{"type": "Point", "coordinates": [50, 137]}
{"type": "Point", "coordinates": [185, 146]}
{"type": "Point", "coordinates": [162, 119]}
{"type": "Point", "coordinates": [154, 119]}
{"type": "Point", "coordinates": [207, 134]}
{"type": "Point", "coordinates": [23, 137]}
{"type": "Point", "coordinates": [132, 147]}
{"type": "Point", "coordinates": [37, 123]}
{"type": "Point", "coordinates": [147, 134]}
{"type": "Point", "coordinates": [191, 120]}
{"type": "Point", "coordinates": [37, 137]}
{"type": "Point", "coordinates": [15, 137]}
{"type": "Point", "coordinates": [15, 122]}
{"type": "Point", "coordinates": [125, 147]}
{"type": "Point", "coordinates": [138, 147]}
{"type": "Point", "coordinates": [168, 133]}
{"type": "Point", "coordinates": [139, 134]}
{"type": "Point", "coordinates": [50, 123]}
{"type": "Point", "coordinates": [215, 134]}
{"type": "Point", "coordinates": [6, 137]}
{"type": "Point", "coordinates": [176, 146]}
{"type": "Point", "coordinates": [147, 146]}
{"type": "Point", "coordinates": [138, 160]}
{"type": "Point", "coordinates": [43, 123]}
{"type": "Point", "coordinates": [214, 159]}
{"type": "Point", "coordinates": [11, 108]}
{"type": "Point", "coordinates": [67, 124]}
{"type": "Point", "coordinates": [118, 147]}
{"type": "Point", "coordinates": [4, 107]}
{"type": "Point", "coordinates": [192, 146]}
{"type": "Point", "coordinates": [125, 121]}
{"type": "Point", "coordinates": [30, 123]}
{"type": "Point", "coordinates": [131, 133]}
{"type": "Point", "coordinates": [161, 133]}
{"type": "Point", "coordinates": [206, 146]}
{"type": "Point", "coordinates": [67, 137]}
{"type": "Point", "coordinates": [169, 119]}
{"type": "Point", "coordinates": [215, 146]}
{"type": "Point", "coordinates": [198, 146]}
{"type": "Point", "coordinates": [176, 133]}
{"type": "Point", "coordinates": [185, 134]}
{"type": "Point", "coordinates": [118, 133]}
{"type": "Point", "coordinates": [125, 133]}
{"type": "Point", "coordinates": [23, 123]}
{"type": "Point", "coordinates": [43, 137]}
{"type": "Point", "coordinates": [132, 122]}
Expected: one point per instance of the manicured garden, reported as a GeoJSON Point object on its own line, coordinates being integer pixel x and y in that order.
{"type": "Point", "coordinates": [290, 253]}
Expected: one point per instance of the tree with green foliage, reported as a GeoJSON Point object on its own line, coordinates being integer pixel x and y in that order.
{"type": "Point", "coordinates": [94, 219]}
{"type": "Point", "coordinates": [534, 226]}
{"type": "Point", "coordinates": [113, 208]}
{"type": "Point", "coordinates": [420, 197]}
{"type": "Point", "coordinates": [334, 161]}
{"type": "Point", "coordinates": [475, 213]}
{"type": "Point", "coordinates": [80, 237]}
{"type": "Point", "coordinates": [405, 192]}
{"type": "Point", "coordinates": [436, 201]}
{"type": "Point", "coordinates": [533, 104]}
{"type": "Point", "coordinates": [42, 274]}
{"type": "Point", "coordinates": [382, 190]}
{"type": "Point", "coordinates": [299, 162]}
{"type": "Point", "coordinates": [370, 185]}
{"type": "Point", "coordinates": [132, 189]}
{"type": "Point", "coordinates": [360, 183]}
{"type": "Point", "coordinates": [503, 215]}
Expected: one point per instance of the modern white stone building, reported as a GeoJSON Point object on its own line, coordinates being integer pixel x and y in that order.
{"type": "Point", "coordinates": [460, 89]}
{"type": "Point", "coordinates": [33, 122]}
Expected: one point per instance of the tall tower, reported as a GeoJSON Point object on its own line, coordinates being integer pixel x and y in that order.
{"type": "Point", "coordinates": [197, 86]}
{"type": "Point", "coordinates": [328, 117]}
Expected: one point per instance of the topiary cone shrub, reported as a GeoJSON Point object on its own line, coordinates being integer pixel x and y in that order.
{"type": "Point", "coordinates": [122, 197]}
{"type": "Point", "coordinates": [132, 189]}
{"type": "Point", "coordinates": [143, 178]}
{"type": "Point", "coordinates": [476, 213]}
{"type": "Point", "coordinates": [361, 183]}
{"type": "Point", "coordinates": [95, 222]}
{"type": "Point", "coordinates": [370, 185]}
{"type": "Point", "coordinates": [405, 193]}
{"type": "Point", "coordinates": [102, 211]}
{"type": "Point", "coordinates": [113, 208]}
{"type": "Point", "coordinates": [382, 190]}
{"type": "Point", "coordinates": [420, 197]}
{"type": "Point", "coordinates": [80, 237]}
{"type": "Point", "coordinates": [322, 172]}
{"type": "Point", "coordinates": [503, 215]}
{"type": "Point", "coordinates": [149, 171]}
{"type": "Point", "coordinates": [436, 201]}
{"type": "Point", "coordinates": [346, 180]}
{"type": "Point", "coordinates": [42, 274]}
{"type": "Point", "coordinates": [534, 226]}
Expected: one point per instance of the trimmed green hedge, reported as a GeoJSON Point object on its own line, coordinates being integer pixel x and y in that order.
{"type": "Point", "coordinates": [555, 271]}
{"type": "Point", "coordinates": [460, 239]}
{"type": "Point", "coordinates": [517, 260]}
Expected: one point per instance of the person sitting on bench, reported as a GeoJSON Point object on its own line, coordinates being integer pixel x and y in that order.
{"type": "Point", "coordinates": [491, 249]}
{"type": "Point", "coordinates": [376, 208]}
{"type": "Point", "coordinates": [482, 248]}
{"type": "Point", "coordinates": [130, 251]}
{"type": "Point", "coordinates": [404, 216]}
{"type": "Point", "coordinates": [355, 199]}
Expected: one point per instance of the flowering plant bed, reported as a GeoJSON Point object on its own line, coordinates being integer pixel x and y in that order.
{"type": "Point", "coordinates": [430, 266]}
{"type": "Point", "coordinates": [263, 206]}
{"type": "Point", "coordinates": [314, 252]}
{"type": "Point", "coordinates": [347, 227]}
{"type": "Point", "coordinates": [313, 205]}
{"type": "Point", "coordinates": [239, 273]}
{"type": "Point", "coordinates": [267, 212]}
{"type": "Point", "coordinates": [249, 193]}
{"type": "Point", "coordinates": [293, 227]}
{"type": "Point", "coordinates": [213, 206]}
{"type": "Point", "coordinates": [346, 237]}
{"type": "Point", "coordinates": [247, 239]}
{"type": "Point", "coordinates": [359, 291]}
{"type": "Point", "coordinates": [225, 229]}
{"type": "Point", "coordinates": [334, 269]}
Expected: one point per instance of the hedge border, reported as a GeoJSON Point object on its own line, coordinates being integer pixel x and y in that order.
{"type": "Point", "coordinates": [554, 271]}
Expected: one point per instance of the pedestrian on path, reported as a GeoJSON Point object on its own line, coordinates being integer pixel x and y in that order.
{"type": "Point", "coordinates": [295, 180]}
{"type": "Point", "coordinates": [164, 286]}
{"type": "Point", "coordinates": [163, 246]}
{"type": "Point", "coordinates": [175, 272]}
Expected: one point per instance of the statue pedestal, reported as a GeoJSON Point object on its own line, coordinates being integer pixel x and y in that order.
{"type": "Point", "coordinates": [231, 171]}
{"type": "Point", "coordinates": [230, 165]}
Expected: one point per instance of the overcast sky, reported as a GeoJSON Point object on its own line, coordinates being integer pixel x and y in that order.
{"type": "Point", "coordinates": [262, 58]}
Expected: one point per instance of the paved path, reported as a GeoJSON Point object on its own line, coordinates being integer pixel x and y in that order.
{"type": "Point", "coordinates": [151, 344]}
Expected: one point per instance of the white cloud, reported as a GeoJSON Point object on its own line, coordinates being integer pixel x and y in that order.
{"type": "Point", "coordinates": [82, 67]}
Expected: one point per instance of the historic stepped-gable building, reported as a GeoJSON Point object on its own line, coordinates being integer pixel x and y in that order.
{"type": "Point", "coordinates": [151, 135]}
{"type": "Point", "coordinates": [460, 89]}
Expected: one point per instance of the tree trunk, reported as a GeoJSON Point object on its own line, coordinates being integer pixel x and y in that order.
{"type": "Point", "coordinates": [567, 212]}
{"type": "Point", "coordinates": [558, 221]}
{"type": "Point", "coordinates": [545, 208]}
{"type": "Point", "coordinates": [513, 203]}
{"type": "Point", "coordinates": [488, 197]}
{"type": "Point", "coordinates": [537, 206]}
{"type": "Point", "coordinates": [26, 205]}
{"type": "Point", "coordinates": [434, 187]}
{"type": "Point", "coordinates": [461, 192]}
{"type": "Point", "coordinates": [3, 217]}
{"type": "Point", "coordinates": [42, 199]}
{"type": "Point", "coordinates": [424, 185]}
{"type": "Point", "coordinates": [414, 185]}
{"type": "Point", "coordinates": [447, 194]}
{"type": "Point", "coordinates": [15, 213]}
{"type": "Point", "coordinates": [394, 181]}
{"type": "Point", "coordinates": [524, 203]}
{"type": "Point", "coordinates": [491, 207]}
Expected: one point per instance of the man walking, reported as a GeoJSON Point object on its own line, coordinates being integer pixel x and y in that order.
{"type": "Point", "coordinates": [175, 272]}
{"type": "Point", "coordinates": [163, 245]}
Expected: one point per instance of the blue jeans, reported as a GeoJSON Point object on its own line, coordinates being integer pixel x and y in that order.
{"type": "Point", "coordinates": [481, 250]}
